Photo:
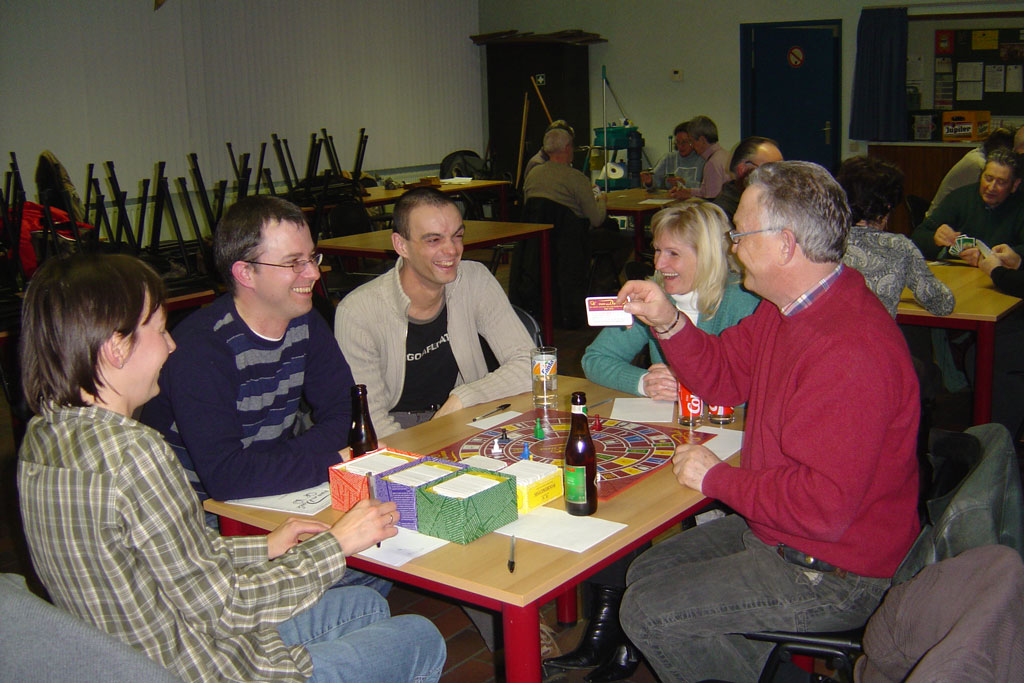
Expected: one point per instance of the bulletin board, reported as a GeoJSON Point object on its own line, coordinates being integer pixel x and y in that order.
{"type": "Point", "coordinates": [980, 69]}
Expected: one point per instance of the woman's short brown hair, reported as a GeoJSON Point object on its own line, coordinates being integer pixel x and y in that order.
{"type": "Point", "coordinates": [72, 306]}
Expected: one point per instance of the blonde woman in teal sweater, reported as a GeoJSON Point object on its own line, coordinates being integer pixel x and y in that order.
{"type": "Point", "coordinates": [691, 258]}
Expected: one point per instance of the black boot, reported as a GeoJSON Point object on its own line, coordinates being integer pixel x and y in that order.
{"type": "Point", "coordinates": [603, 632]}
{"type": "Point", "coordinates": [621, 666]}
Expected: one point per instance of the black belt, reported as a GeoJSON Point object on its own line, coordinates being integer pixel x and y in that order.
{"type": "Point", "coordinates": [794, 556]}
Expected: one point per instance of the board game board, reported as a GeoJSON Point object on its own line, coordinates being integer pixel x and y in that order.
{"type": "Point", "coordinates": [626, 451]}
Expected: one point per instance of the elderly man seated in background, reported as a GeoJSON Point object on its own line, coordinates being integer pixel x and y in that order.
{"type": "Point", "coordinates": [989, 210]}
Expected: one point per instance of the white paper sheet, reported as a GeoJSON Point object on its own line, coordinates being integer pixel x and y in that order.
{"type": "Point", "coordinates": [464, 485]}
{"type": "Point", "coordinates": [643, 410]}
{"type": "Point", "coordinates": [726, 441]}
{"type": "Point", "coordinates": [457, 180]}
{"type": "Point", "coordinates": [484, 463]}
{"type": "Point", "coordinates": [493, 420]}
{"type": "Point", "coordinates": [305, 502]}
{"type": "Point", "coordinates": [374, 463]}
{"type": "Point", "coordinates": [398, 550]}
{"type": "Point", "coordinates": [658, 202]}
{"type": "Point", "coordinates": [419, 475]}
{"type": "Point", "coordinates": [560, 529]}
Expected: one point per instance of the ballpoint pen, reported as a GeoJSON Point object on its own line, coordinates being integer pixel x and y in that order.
{"type": "Point", "coordinates": [512, 555]}
{"type": "Point", "coordinates": [599, 403]}
{"type": "Point", "coordinates": [503, 406]}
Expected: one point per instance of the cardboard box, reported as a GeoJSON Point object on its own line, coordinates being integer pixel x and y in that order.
{"type": "Point", "coordinates": [966, 126]}
{"type": "Point", "coordinates": [463, 520]}
{"type": "Point", "coordinates": [348, 488]}
{"type": "Point", "coordinates": [404, 495]}
{"type": "Point", "coordinates": [536, 483]}
{"type": "Point", "coordinates": [925, 124]}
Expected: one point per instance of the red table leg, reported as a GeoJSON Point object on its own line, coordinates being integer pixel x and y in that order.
{"type": "Point", "coordinates": [503, 202]}
{"type": "Point", "coordinates": [545, 287]}
{"type": "Point", "coordinates": [566, 607]}
{"type": "Point", "coordinates": [983, 365]}
{"type": "Point", "coordinates": [522, 644]}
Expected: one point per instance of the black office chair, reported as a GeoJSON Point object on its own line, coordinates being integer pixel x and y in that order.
{"type": "Point", "coordinates": [532, 328]}
{"type": "Point", "coordinates": [570, 259]}
{"type": "Point", "coordinates": [917, 207]}
{"type": "Point", "coordinates": [983, 507]}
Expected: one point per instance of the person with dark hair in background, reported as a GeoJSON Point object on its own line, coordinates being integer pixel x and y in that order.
{"type": "Point", "coordinates": [682, 162]}
{"type": "Point", "coordinates": [750, 154]}
{"type": "Point", "coordinates": [704, 135]}
{"type": "Point", "coordinates": [888, 261]}
{"type": "Point", "coordinates": [117, 534]}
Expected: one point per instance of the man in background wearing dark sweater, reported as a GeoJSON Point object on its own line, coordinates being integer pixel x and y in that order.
{"type": "Point", "coordinates": [990, 210]}
{"type": "Point", "coordinates": [826, 492]}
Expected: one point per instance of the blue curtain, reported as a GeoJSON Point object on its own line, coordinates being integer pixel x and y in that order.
{"type": "Point", "coordinates": [879, 110]}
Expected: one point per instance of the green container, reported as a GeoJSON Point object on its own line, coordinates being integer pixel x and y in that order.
{"type": "Point", "coordinates": [463, 520]}
{"type": "Point", "coordinates": [618, 136]}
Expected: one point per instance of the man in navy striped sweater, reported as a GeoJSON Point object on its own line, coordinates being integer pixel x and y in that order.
{"type": "Point", "coordinates": [229, 401]}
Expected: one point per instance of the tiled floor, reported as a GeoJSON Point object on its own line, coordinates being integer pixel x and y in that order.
{"type": "Point", "coordinates": [469, 661]}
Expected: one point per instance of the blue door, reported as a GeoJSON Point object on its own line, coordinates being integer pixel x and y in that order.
{"type": "Point", "coordinates": [790, 87]}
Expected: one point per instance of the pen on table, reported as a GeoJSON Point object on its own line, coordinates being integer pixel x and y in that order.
{"type": "Point", "coordinates": [512, 555]}
{"type": "Point", "coordinates": [503, 406]}
{"type": "Point", "coordinates": [599, 403]}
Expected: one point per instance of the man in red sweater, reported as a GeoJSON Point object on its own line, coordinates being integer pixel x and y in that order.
{"type": "Point", "coordinates": [826, 491]}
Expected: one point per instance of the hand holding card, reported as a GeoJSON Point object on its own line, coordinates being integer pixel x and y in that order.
{"type": "Point", "coordinates": [605, 311]}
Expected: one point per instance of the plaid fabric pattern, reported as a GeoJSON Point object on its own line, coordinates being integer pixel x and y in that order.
{"type": "Point", "coordinates": [118, 537]}
{"type": "Point", "coordinates": [808, 297]}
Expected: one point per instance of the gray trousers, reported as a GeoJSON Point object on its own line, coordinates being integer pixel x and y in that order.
{"type": "Point", "coordinates": [689, 593]}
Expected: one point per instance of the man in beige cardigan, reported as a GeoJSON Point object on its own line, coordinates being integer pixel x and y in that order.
{"type": "Point", "coordinates": [412, 335]}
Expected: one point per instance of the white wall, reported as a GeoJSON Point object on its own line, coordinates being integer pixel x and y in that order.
{"type": "Point", "coordinates": [647, 40]}
{"type": "Point", "coordinates": [114, 80]}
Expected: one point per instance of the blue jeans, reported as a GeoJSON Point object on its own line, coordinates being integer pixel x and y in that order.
{"type": "Point", "coordinates": [351, 636]}
{"type": "Point", "coordinates": [687, 595]}
{"type": "Point", "coordinates": [352, 577]}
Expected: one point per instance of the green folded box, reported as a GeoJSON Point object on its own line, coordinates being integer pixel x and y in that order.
{"type": "Point", "coordinates": [463, 520]}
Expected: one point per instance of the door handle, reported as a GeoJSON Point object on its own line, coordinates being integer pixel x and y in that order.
{"type": "Point", "coordinates": [828, 132]}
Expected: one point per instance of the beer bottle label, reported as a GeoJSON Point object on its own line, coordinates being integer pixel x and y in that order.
{"type": "Point", "coordinates": [576, 484]}
{"type": "Point", "coordinates": [579, 410]}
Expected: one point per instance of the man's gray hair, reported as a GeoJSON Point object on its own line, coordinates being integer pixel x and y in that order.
{"type": "Point", "coordinates": [806, 199]}
{"type": "Point", "coordinates": [1004, 157]}
{"type": "Point", "coordinates": [702, 126]}
{"type": "Point", "coordinates": [555, 140]}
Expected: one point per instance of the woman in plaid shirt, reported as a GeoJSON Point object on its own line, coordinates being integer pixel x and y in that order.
{"type": "Point", "coordinates": [117, 534]}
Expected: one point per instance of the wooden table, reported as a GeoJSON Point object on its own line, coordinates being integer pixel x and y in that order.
{"type": "Point", "coordinates": [191, 300]}
{"type": "Point", "coordinates": [628, 203]}
{"type": "Point", "coordinates": [476, 573]}
{"type": "Point", "coordinates": [378, 195]}
{"type": "Point", "coordinates": [979, 306]}
{"type": "Point", "coordinates": [479, 234]}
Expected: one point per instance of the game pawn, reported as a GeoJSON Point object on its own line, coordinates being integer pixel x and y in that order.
{"type": "Point", "coordinates": [597, 423]}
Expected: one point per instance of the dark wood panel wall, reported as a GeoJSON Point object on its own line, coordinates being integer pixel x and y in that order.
{"type": "Point", "coordinates": [924, 167]}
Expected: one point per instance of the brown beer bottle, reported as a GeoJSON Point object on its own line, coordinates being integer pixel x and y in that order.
{"type": "Point", "coordinates": [580, 462]}
{"type": "Point", "coordinates": [361, 437]}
